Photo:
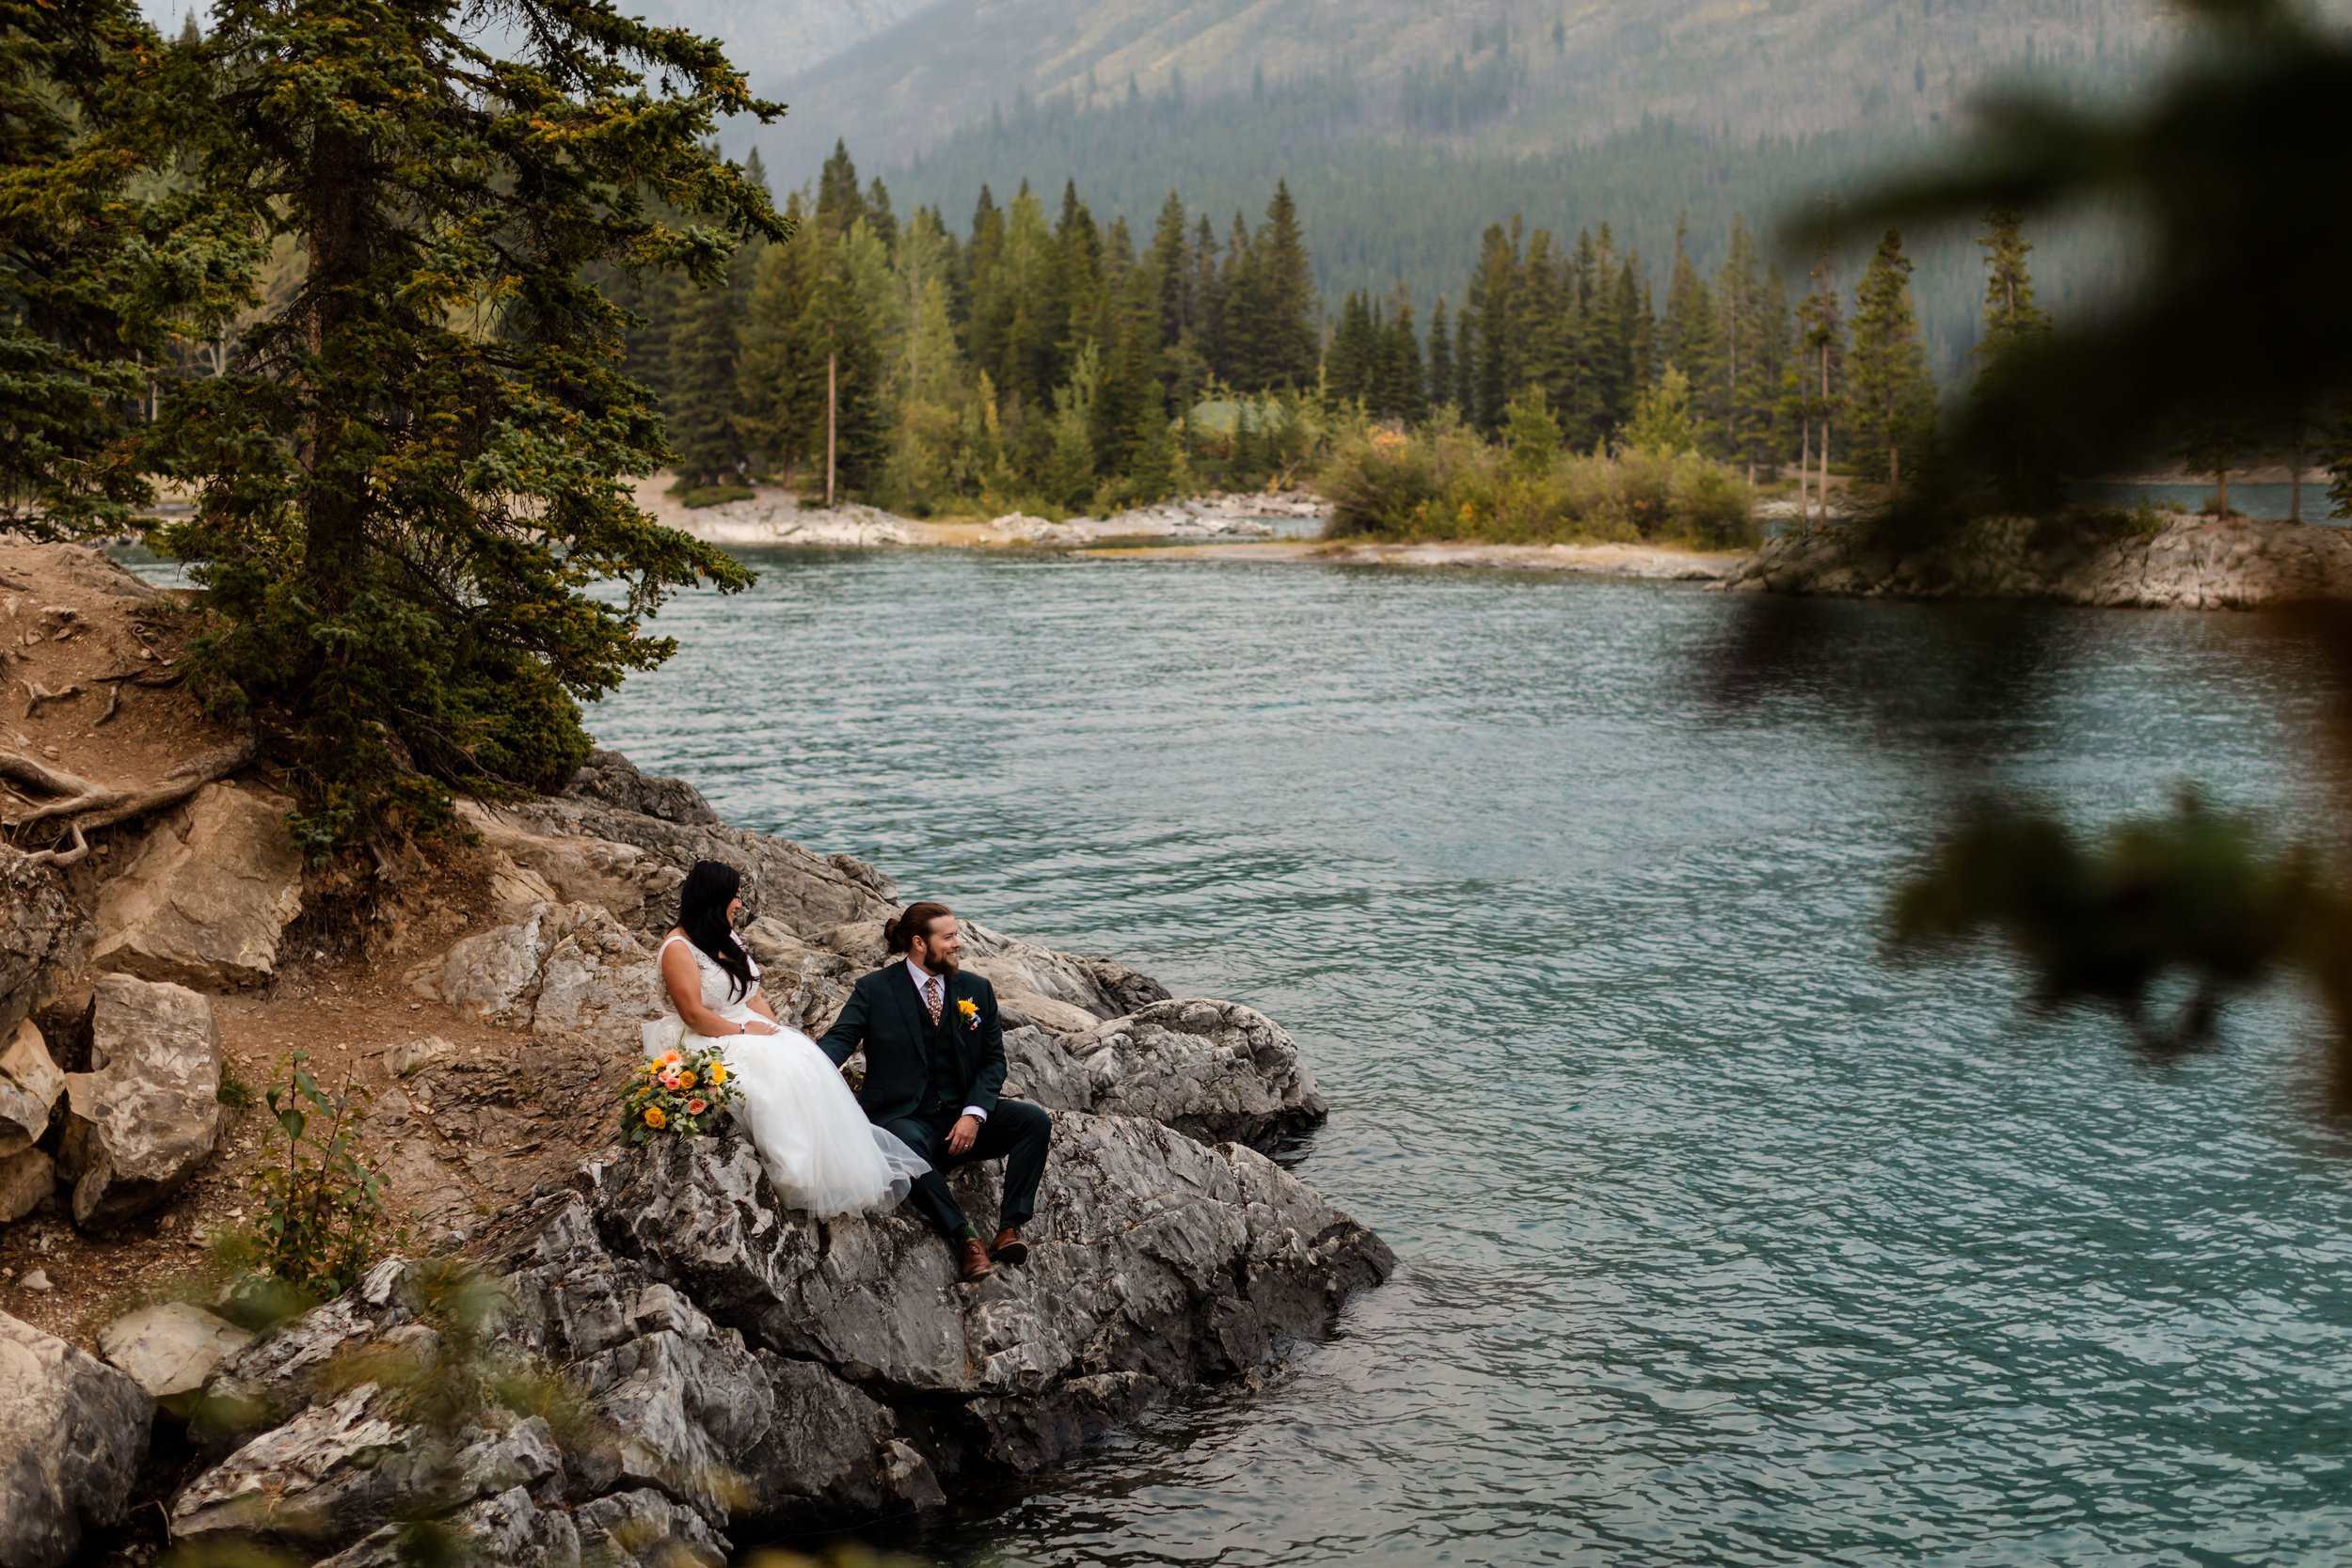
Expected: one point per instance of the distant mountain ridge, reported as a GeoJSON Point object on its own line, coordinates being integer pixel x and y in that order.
{"type": "Point", "coordinates": [1516, 76]}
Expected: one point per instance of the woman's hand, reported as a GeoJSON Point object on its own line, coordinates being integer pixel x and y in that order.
{"type": "Point", "coordinates": [760, 1026]}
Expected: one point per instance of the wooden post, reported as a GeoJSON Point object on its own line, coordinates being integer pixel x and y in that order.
{"type": "Point", "coordinates": [830, 403]}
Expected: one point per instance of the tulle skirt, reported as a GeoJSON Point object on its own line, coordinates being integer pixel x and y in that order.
{"type": "Point", "coordinates": [812, 1138]}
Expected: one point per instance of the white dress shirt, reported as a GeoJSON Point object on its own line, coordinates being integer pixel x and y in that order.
{"type": "Point", "coordinates": [923, 979]}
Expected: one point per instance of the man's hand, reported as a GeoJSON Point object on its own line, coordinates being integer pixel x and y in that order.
{"type": "Point", "coordinates": [961, 1137]}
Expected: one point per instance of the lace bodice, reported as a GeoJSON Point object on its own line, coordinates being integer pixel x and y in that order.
{"type": "Point", "coordinates": [717, 985]}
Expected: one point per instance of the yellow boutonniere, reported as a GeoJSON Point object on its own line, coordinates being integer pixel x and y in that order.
{"type": "Point", "coordinates": [970, 1009]}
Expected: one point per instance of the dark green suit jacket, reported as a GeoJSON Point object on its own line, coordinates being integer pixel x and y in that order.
{"type": "Point", "coordinates": [885, 1015]}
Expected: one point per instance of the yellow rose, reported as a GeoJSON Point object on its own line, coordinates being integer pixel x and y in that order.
{"type": "Point", "coordinates": [654, 1117]}
{"type": "Point", "coordinates": [717, 1073]}
{"type": "Point", "coordinates": [685, 1080]}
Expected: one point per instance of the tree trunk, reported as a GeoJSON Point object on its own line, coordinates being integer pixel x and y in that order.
{"type": "Point", "coordinates": [1825, 494]}
{"type": "Point", "coordinates": [334, 503]}
{"type": "Point", "coordinates": [1894, 468]}
{"type": "Point", "coordinates": [832, 361]}
{"type": "Point", "coordinates": [1804, 470]}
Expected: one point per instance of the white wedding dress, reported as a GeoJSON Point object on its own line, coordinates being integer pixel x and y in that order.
{"type": "Point", "coordinates": [820, 1149]}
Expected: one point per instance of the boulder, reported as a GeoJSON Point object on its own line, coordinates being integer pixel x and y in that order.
{"type": "Point", "coordinates": [27, 1180]}
{"type": "Point", "coordinates": [2182, 563]}
{"type": "Point", "coordinates": [612, 779]}
{"type": "Point", "coordinates": [29, 1086]}
{"type": "Point", "coordinates": [1155, 1263]}
{"type": "Point", "coordinates": [805, 985]}
{"type": "Point", "coordinates": [73, 1435]}
{"type": "Point", "coordinates": [169, 1349]}
{"type": "Point", "coordinates": [1215, 1071]}
{"type": "Point", "coordinates": [1099, 987]}
{"type": "Point", "coordinates": [147, 1113]}
{"type": "Point", "coordinates": [207, 894]}
{"type": "Point", "coordinates": [744, 1369]}
{"type": "Point", "coordinates": [807, 891]}
{"type": "Point", "coordinates": [563, 968]}
{"type": "Point", "coordinates": [410, 1056]}
{"type": "Point", "coordinates": [42, 934]}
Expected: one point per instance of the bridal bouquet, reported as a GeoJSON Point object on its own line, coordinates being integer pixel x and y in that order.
{"type": "Point", "coordinates": [676, 1093]}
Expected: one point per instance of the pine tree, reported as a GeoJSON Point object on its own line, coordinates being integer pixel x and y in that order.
{"type": "Point", "coordinates": [1690, 341]}
{"type": "Point", "coordinates": [839, 201]}
{"type": "Point", "coordinates": [926, 375]}
{"type": "Point", "coordinates": [421, 464]}
{"type": "Point", "coordinates": [1348, 364]}
{"type": "Point", "coordinates": [780, 392]}
{"type": "Point", "coordinates": [1751, 376]}
{"type": "Point", "coordinates": [102, 264]}
{"type": "Point", "coordinates": [701, 408]}
{"type": "Point", "coordinates": [1283, 354]}
{"type": "Point", "coordinates": [2010, 317]}
{"type": "Point", "coordinates": [1440, 359]}
{"type": "Point", "coordinates": [1486, 324]}
{"type": "Point", "coordinates": [1894, 400]}
{"type": "Point", "coordinates": [1396, 392]}
{"type": "Point", "coordinates": [1817, 377]}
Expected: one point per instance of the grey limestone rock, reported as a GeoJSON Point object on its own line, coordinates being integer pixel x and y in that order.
{"type": "Point", "coordinates": [147, 1114]}
{"type": "Point", "coordinates": [27, 1180]}
{"type": "Point", "coordinates": [73, 1434]}
{"type": "Point", "coordinates": [1216, 1070]}
{"type": "Point", "coordinates": [30, 1086]}
{"type": "Point", "coordinates": [2186, 564]}
{"type": "Point", "coordinates": [808, 893]}
{"type": "Point", "coordinates": [43, 934]}
{"type": "Point", "coordinates": [207, 894]}
{"type": "Point", "coordinates": [170, 1348]}
{"type": "Point", "coordinates": [562, 969]}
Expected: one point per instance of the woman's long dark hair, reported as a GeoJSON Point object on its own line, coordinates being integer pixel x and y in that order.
{"type": "Point", "coordinates": [701, 914]}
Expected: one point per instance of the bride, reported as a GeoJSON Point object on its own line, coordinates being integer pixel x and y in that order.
{"type": "Point", "coordinates": [820, 1151]}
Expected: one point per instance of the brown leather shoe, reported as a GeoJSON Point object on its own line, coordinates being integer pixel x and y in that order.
{"type": "Point", "coordinates": [972, 1258]}
{"type": "Point", "coordinates": [1008, 1247]}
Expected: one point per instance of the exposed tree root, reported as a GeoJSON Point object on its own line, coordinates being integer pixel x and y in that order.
{"type": "Point", "coordinates": [83, 806]}
{"type": "Point", "coordinates": [36, 695]}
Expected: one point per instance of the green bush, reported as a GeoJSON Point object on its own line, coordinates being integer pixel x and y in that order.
{"type": "Point", "coordinates": [1442, 482]}
{"type": "Point", "coordinates": [701, 496]}
{"type": "Point", "coordinates": [324, 1221]}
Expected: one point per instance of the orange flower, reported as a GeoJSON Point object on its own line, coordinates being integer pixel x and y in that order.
{"type": "Point", "coordinates": [655, 1118]}
{"type": "Point", "coordinates": [696, 1107]}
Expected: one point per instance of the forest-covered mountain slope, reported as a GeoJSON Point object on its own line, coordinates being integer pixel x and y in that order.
{"type": "Point", "coordinates": [1502, 75]}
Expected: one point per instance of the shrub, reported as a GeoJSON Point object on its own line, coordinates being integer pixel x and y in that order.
{"type": "Point", "coordinates": [323, 1220]}
{"type": "Point", "coordinates": [712, 495]}
{"type": "Point", "coordinates": [1444, 482]}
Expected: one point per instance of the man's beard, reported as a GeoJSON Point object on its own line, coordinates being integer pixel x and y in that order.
{"type": "Point", "coordinates": [940, 964]}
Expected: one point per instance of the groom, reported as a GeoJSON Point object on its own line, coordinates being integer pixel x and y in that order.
{"type": "Point", "coordinates": [935, 1062]}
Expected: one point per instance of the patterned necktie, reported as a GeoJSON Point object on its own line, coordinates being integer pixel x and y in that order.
{"type": "Point", "coordinates": [931, 998]}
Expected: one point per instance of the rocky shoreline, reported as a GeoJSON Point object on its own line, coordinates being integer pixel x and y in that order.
{"type": "Point", "coordinates": [774, 516]}
{"type": "Point", "coordinates": [2186, 564]}
{"type": "Point", "coordinates": [667, 1363]}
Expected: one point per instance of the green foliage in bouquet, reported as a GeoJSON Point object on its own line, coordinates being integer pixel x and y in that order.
{"type": "Point", "coordinates": [679, 1092]}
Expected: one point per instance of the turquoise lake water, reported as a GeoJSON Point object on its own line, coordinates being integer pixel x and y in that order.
{"type": "Point", "coordinates": [1722, 1239]}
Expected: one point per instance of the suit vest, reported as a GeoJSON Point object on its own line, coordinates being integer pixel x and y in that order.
{"type": "Point", "coordinates": [942, 1090]}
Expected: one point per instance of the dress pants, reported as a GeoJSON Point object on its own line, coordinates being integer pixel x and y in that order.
{"type": "Point", "coordinates": [1015, 1133]}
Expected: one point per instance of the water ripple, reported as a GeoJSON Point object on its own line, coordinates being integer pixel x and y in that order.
{"type": "Point", "coordinates": [1722, 1239]}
